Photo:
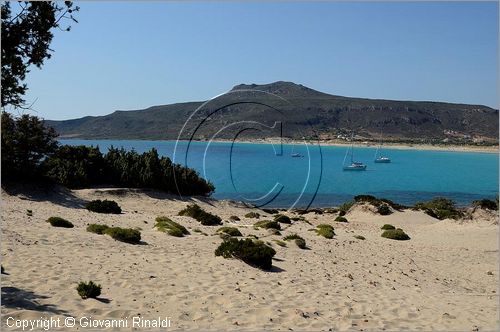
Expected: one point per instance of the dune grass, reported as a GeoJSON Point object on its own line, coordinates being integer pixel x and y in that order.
{"type": "Point", "coordinates": [166, 225]}
{"type": "Point", "coordinates": [60, 222]}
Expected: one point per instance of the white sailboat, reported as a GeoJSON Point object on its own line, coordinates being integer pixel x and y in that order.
{"type": "Point", "coordinates": [380, 158]}
{"type": "Point", "coordinates": [355, 165]}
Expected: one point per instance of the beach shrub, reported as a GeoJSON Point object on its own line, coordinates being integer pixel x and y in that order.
{"type": "Point", "coordinates": [127, 235]}
{"type": "Point", "coordinates": [486, 204]}
{"type": "Point", "coordinates": [344, 208]}
{"type": "Point", "coordinates": [341, 219]}
{"type": "Point", "coordinates": [205, 218]}
{"type": "Point", "coordinates": [60, 222]}
{"type": "Point", "coordinates": [387, 227]}
{"type": "Point", "coordinates": [254, 253]}
{"type": "Point", "coordinates": [270, 211]}
{"type": "Point", "coordinates": [231, 231]}
{"type": "Point", "coordinates": [234, 218]}
{"type": "Point", "coordinates": [384, 210]}
{"type": "Point", "coordinates": [281, 218]}
{"type": "Point", "coordinates": [97, 228]}
{"type": "Point", "coordinates": [105, 206]}
{"type": "Point", "coordinates": [359, 237]}
{"type": "Point", "coordinates": [88, 290]}
{"type": "Point", "coordinates": [166, 225]}
{"type": "Point", "coordinates": [395, 234]}
{"type": "Point", "coordinates": [267, 224]}
{"type": "Point", "coordinates": [26, 140]}
{"type": "Point", "coordinates": [325, 230]}
{"type": "Point", "coordinates": [378, 202]}
{"type": "Point", "coordinates": [82, 166]}
{"type": "Point", "coordinates": [299, 240]}
{"type": "Point", "coordinates": [252, 215]}
{"type": "Point", "coordinates": [440, 208]}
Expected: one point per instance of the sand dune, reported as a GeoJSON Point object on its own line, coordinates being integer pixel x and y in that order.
{"type": "Point", "coordinates": [444, 278]}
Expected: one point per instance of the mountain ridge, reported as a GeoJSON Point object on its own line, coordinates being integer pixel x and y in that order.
{"type": "Point", "coordinates": [330, 115]}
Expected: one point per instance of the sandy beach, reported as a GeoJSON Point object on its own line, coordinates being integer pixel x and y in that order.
{"type": "Point", "coordinates": [444, 278]}
{"type": "Point", "coordinates": [386, 145]}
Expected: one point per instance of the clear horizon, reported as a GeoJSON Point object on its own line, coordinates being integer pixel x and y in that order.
{"type": "Point", "coordinates": [129, 55]}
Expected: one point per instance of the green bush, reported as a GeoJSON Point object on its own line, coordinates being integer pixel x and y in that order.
{"type": "Point", "coordinates": [301, 243]}
{"type": "Point", "coordinates": [88, 290]}
{"type": "Point", "coordinates": [299, 240]}
{"type": "Point", "coordinates": [486, 204]}
{"type": "Point", "coordinates": [81, 166]}
{"type": "Point", "coordinates": [395, 234]}
{"type": "Point", "coordinates": [104, 206]}
{"type": "Point", "coordinates": [384, 210]}
{"type": "Point", "coordinates": [97, 228]}
{"type": "Point", "coordinates": [267, 224]}
{"type": "Point", "coordinates": [270, 211]}
{"type": "Point", "coordinates": [205, 218]}
{"type": "Point", "coordinates": [164, 224]}
{"type": "Point", "coordinates": [326, 231]}
{"type": "Point", "coordinates": [127, 235]}
{"type": "Point", "coordinates": [377, 202]}
{"type": "Point", "coordinates": [341, 219]}
{"type": "Point", "coordinates": [59, 222]}
{"type": "Point", "coordinates": [252, 215]}
{"type": "Point", "coordinates": [281, 218]}
{"type": "Point", "coordinates": [440, 208]}
{"type": "Point", "coordinates": [234, 218]}
{"type": "Point", "coordinates": [344, 208]}
{"type": "Point", "coordinates": [359, 237]}
{"type": "Point", "coordinates": [254, 253]}
{"type": "Point", "coordinates": [231, 231]}
{"type": "Point", "coordinates": [387, 227]}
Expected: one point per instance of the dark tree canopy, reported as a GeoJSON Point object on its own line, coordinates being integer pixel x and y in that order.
{"type": "Point", "coordinates": [26, 141]}
{"type": "Point", "coordinates": [26, 37]}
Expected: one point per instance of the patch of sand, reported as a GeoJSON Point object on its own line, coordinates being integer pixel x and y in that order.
{"type": "Point", "coordinates": [438, 280]}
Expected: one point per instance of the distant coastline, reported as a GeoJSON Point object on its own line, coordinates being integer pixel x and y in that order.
{"type": "Point", "coordinates": [338, 143]}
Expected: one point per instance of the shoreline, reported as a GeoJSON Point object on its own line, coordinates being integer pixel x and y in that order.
{"type": "Point", "coordinates": [336, 143]}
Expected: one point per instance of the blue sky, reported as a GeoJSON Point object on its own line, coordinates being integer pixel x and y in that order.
{"type": "Point", "coordinates": [131, 55]}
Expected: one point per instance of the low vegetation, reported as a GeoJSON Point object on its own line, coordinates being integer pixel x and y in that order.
{"type": "Point", "coordinates": [395, 234]}
{"type": "Point", "coordinates": [97, 228]}
{"type": "Point", "coordinates": [384, 210]}
{"type": "Point", "coordinates": [377, 202]}
{"type": "Point", "coordinates": [341, 219]}
{"type": "Point", "coordinates": [234, 218]}
{"type": "Point", "coordinates": [267, 224]}
{"type": "Point", "coordinates": [205, 218]}
{"type": "Point", "coordinates": [359, 237]}
{"type": "Point", "coordinates": [440, 208]}
{"type": "Point", "coordinates": [344, 208]}
{"type": "Point", "coordinates": [82, 166]}
{"type": "Point", "coordinates": [230, 231]}
{"type": "Point", "coordinates": [255, 215]}
{"type": "Point", "coordinates": [105, 206]}
{"type": "Point", "coordinates": [387, 227]}
{"type": "Point", "coordinates": [88, 290]}
{"type": "Point", "coordinates": [325, 230]}
{"type": "Point", "coordinates": [60, 222]}
{"type": "Point", "coordinates": [270, 211]}
{"type": "Point", "coordinates": [487, 204]}
{"type": "Point", "coordinates": [281, 218]}
{"type": "Point", "coordinates": [166, 225]}
{"type": "Point", "coordinates": [127, 235]}
{"type": "Point", "coordinates": [254, 253]}
{"type": "Point", "coordinates": [299, 240]}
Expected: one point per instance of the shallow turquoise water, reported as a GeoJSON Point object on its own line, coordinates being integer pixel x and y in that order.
{"type": "Point", "coordinates": [260, 175]}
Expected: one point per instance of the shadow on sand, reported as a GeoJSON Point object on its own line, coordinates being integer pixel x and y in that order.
{"type": "Point", "coordinates": [15, 298]}
{"type": "Point", "coordinates": [45, 192]}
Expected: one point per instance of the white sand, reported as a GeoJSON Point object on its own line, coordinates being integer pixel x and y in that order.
{"type": "Point", "coordinates": [438, 280]}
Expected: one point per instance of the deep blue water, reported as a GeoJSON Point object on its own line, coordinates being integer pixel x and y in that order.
{"type": "Point", "coordinates": [257, 174]}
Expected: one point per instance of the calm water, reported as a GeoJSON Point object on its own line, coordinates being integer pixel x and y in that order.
{"type": "Point", "coordinates": [264, 174]}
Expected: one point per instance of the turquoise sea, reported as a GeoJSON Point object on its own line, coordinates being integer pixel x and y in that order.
{"type": "Point", "coordinates": [267, 175]}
